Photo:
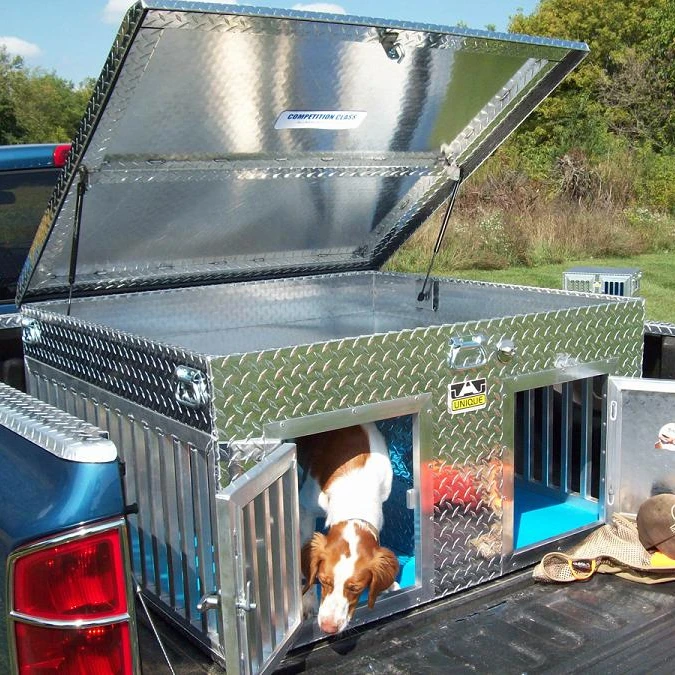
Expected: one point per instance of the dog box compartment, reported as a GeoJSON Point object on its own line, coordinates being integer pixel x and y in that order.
{"type": "Point", "coordinates": [558, 459]}
{"type": "Point", "coordinates": [398, 532]}
{"type": "Point", "coordinates": [405, 532]}
{"type": "Point", "coordinates": [205, 285]}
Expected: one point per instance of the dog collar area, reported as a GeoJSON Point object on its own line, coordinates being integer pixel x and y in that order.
{"type": "Point", "coordinates": [366, 526]}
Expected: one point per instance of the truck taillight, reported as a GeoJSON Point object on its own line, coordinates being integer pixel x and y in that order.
{"type": "Point", "coordinates": [61, 154]}
{"type": "Point", "coordinates": [81, 579]}
{"type": "Point", "coordinates": [100, 650]}
{"type": "Point", "coordinates": [71, 606]}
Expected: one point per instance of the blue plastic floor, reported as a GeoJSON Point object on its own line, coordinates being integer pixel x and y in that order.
{"type": "Point", "coordinates": [539, 516]}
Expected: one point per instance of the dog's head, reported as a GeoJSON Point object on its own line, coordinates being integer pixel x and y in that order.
{"type": "Point", "coordinates": [346, 561]}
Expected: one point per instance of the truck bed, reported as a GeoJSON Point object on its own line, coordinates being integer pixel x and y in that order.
{"type": "Point", "coordinates": [512, 625]}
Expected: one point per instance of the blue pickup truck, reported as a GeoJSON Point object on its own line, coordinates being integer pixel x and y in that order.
{"type": "Point", "coordinates": [27, 177]}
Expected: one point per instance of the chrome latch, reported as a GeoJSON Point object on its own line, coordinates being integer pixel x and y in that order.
{"type": "Point", "coordinates": [467, 352]}
{"type": "Point", "coordinates": [30, 331]}
{"type": "Point", "coordinates": [191, 387]}
{"type": "Point", "coordinates": [246, 603]}
{"type": "Point", "coordinates": [208, 602]}
{"type": "Point", "coordinates": [506, 350]}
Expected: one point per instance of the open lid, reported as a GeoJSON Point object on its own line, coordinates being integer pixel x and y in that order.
{"type": "Point", "coordinates": [224, 142]}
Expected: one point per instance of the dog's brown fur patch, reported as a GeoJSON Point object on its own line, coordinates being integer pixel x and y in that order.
{"type": "Point", "coordinates": [341, 451]}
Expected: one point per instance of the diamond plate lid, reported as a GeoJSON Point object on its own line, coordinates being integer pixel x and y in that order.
{"type": "Point", "coordinates": [225, 142]}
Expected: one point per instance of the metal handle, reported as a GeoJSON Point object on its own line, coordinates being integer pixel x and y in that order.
{"type": "Point", "coordinates": [246, 603]}
{"type": "Point", "coordinates": [30, 331]}
{"type": "Point", "coordinates": [467, 352]}
{"type": "Point", "coordinates": [191, 387]}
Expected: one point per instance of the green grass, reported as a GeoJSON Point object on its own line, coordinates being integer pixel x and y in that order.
{"type": "Point", "coordinates": [657, 285]}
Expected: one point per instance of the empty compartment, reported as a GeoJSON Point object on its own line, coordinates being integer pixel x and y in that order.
{"type": "Point", "coordinates": [557, 459]}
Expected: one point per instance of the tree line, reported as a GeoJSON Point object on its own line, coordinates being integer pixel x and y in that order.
{"type": "Point", "coordinates": [616, 109]}
{"type": "Point", "coordinates": [38, 106]}
{"type": "Point", "coordinates": [615, 112]}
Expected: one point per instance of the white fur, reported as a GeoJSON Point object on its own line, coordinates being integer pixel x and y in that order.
{"type": "Point", "coordinates": [358, 495]}
{"type": "Point", "coordinates": [334, 609]}
{"type": "Point", "coordinates": [355, 496]}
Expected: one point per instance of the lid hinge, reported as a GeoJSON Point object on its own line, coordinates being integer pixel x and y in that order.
{"type": "Point", "coordinates": [79, 201]}
{"type": "Point", "coordinates": [391, 45]}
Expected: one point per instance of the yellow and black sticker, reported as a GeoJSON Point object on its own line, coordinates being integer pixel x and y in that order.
{"type": "Point", "coordinates": [467, 396]}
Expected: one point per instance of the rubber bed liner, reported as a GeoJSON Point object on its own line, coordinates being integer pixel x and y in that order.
{"type": "Point", "coordinates": [512, 625]}
{"type": "Point", "coordinates": [606, 625]}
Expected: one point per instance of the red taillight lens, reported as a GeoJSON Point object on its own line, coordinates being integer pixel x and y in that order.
{"type": "Point", "coordinates": [98, 650]}
{"type": "Point", "coordinates": [80, 579]}
{"type": "Point", "coordinates": [61, 154]}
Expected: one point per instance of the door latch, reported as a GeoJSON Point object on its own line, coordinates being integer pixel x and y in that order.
{"type": "Point", "coordinates": [246, 603]}
{"type": "Point", "coordinates": [191, 387]}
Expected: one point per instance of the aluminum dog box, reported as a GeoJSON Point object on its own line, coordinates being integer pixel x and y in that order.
{"type": "Point", "coordinates": [205, 285]}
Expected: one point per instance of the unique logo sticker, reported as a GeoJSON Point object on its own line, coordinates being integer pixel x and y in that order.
{"type": "Point", "coordinates": [467, 396]}
{"type": "Point", "coordinates": [320, 119]}
{"type": "Point", "coordinates": [666, 439]}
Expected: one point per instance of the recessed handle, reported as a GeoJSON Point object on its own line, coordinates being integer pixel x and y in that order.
{"type": "Point", "coordinates": [467, 352]}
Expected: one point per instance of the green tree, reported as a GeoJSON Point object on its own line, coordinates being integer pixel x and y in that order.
{"type": "Point", "coordinates": [11, 130]}
{"type": "Point", "coordinates": [614, 91]}
{"type": "Point", "coordinates": [37, 106]}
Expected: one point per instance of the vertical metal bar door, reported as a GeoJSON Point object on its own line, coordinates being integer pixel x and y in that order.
{"type": "Point", "coordinates": [259, 551]}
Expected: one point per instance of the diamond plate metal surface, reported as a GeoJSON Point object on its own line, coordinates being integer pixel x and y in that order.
{"type": "Point", "coordinates": [10, 320]}
{"type": "Point", "coordinates": [253, 389]}
{"type": "Point", "coordinates": [62, 197]}
{"type": "Point", "coordinates": [659, 328]}
{"type": "Point", "coordinates": [293, 348]}
{"type": "Point", "coordinates": [252, 194]}
{"type": "Point", "coordinates": [59, 433]}
{"type": "Point", "coordinates": [214, 17]}
{"type": "Point", "coordinates": [129, 366]}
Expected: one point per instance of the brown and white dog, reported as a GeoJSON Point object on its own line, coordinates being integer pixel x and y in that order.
{"type": "Point", "coordinates": [346, 477]}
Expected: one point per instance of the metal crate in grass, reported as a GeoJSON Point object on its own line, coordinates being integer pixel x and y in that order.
{"type": "Point", "coordinates": [606, 280]}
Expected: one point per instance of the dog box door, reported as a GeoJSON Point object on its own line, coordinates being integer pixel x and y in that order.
{"type": "Point", "coordinates": [261, 598]}
{"type": "Point", "coordinates": [640, 441]}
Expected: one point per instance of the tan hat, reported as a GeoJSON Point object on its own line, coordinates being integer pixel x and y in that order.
{"type": "Point", "coordinates": [656, 524]}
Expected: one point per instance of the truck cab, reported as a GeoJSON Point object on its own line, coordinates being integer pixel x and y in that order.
{"type": "Point", "coordinates": [28, 174]}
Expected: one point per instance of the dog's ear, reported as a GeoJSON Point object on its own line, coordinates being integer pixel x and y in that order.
{"type": "Point", "coordinates": [384, 568]}
{"type": "Point", "coordinates": [312, 553]}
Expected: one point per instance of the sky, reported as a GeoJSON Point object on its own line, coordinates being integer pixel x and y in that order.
{"type": "Point", "coordinates": [73, 37]}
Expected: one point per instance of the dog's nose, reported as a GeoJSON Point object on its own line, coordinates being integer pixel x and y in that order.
{"type": "Point", "coordinates": [329, 626]}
